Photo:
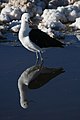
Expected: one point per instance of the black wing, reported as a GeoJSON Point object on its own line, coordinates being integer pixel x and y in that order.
{"type": "Point", "coordinates": [43, 40]}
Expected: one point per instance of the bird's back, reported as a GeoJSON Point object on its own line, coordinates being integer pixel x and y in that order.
{"type": "Point", "coordinates": [43, 40]}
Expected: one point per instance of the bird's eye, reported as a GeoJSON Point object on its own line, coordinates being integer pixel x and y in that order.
{"type": "Point", "coordinates": [24, 104]}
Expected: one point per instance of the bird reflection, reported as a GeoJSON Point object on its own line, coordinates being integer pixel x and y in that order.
{"type": "Point", "coordinates": [33, 78]}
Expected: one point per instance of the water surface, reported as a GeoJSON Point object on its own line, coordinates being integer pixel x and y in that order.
{"type": "Point", "coordinates": [59, 99]}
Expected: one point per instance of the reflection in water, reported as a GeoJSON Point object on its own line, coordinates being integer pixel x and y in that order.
{"type": "Point", "coordinates": [33, 78]}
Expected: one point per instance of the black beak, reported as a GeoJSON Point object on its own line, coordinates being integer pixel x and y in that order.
{"type": "Point", "coordinates": [30, 22]}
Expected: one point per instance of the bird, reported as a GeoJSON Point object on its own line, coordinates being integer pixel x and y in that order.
{"type": "Point", "coordinates": [34, 39]}
{"type": "Point", "coordinates": [35, 77]}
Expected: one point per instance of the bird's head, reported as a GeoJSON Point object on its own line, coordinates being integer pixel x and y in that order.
{"type": "Point", "coordinates": [26, 18]}
{"type": "Point", "coordinates": [24, 104]}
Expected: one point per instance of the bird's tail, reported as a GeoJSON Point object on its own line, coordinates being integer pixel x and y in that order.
{"type": "Point", "coordinates": [66, 43]}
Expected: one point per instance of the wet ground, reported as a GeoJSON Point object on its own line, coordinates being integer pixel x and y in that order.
{"type": "Point", "coordinates": [59, 99]}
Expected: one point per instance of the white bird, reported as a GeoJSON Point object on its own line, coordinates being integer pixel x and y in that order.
{"type": "Point", "coordinates": [33, 78]}
{"type": "Point", "coordinates": [35, 40]}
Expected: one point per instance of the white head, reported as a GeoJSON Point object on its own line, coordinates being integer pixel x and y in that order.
{"type": "Point", "coordinates": [25, 17]}
{"type": "Point", "coordinates": [24, 104]}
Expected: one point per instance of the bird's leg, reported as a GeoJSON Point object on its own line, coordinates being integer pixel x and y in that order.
{"type": "Point", "coordinates": [37, 58]}
{"type": "Point", "coordinates": [41, 58]}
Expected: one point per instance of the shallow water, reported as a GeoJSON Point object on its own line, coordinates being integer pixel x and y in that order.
{"type": "Point", "coordinates": [59, 99]}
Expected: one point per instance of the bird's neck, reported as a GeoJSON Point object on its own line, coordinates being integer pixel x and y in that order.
{"type": "Point", "coordinates": [22, 90]}
{"type": "Point", "coordinates": [24, 30]}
